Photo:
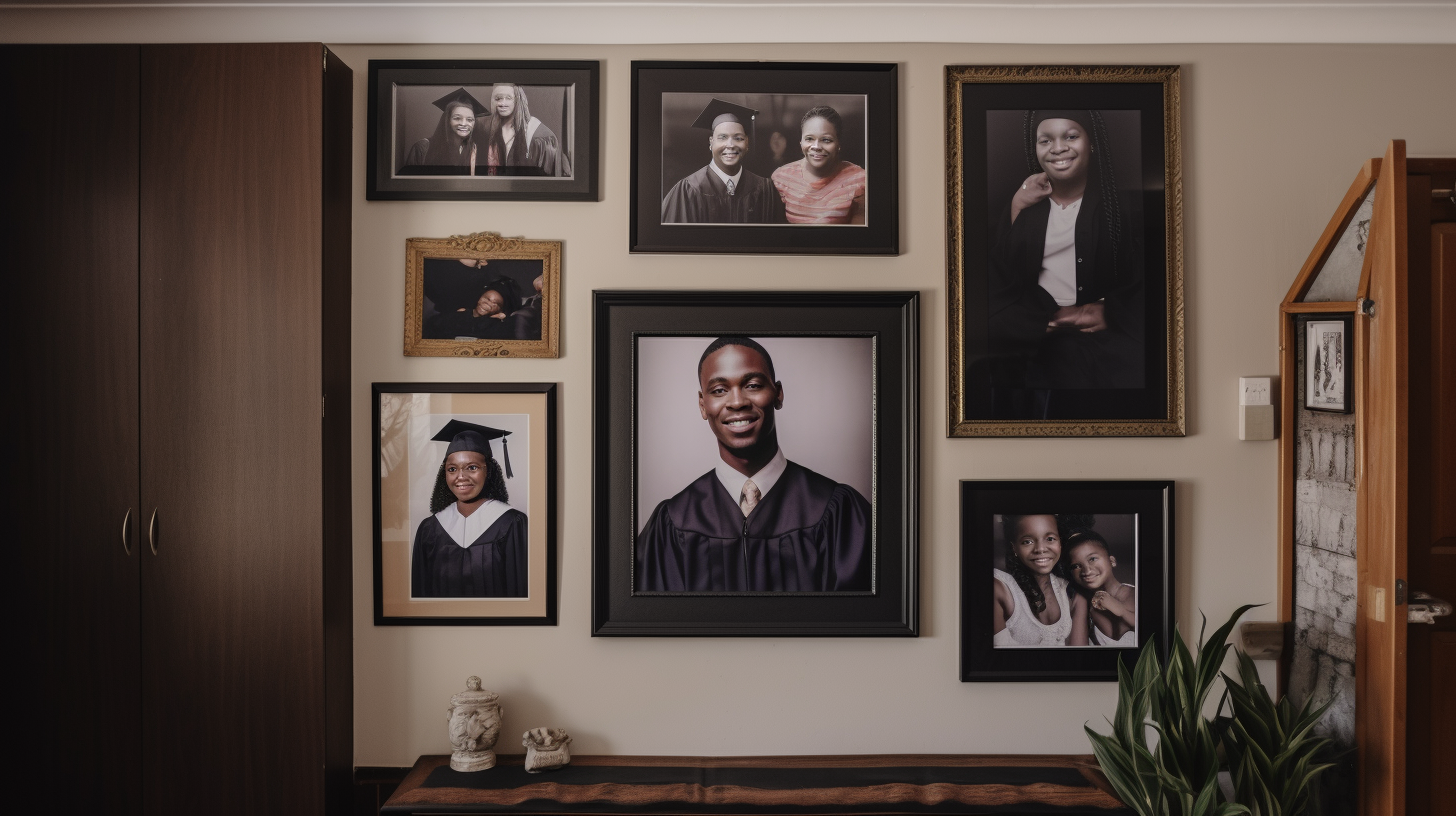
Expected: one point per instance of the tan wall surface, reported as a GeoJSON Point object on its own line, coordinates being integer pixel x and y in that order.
{"type": "Point", "coordinates": [1273, 136]}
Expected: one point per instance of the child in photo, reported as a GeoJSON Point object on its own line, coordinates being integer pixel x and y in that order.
{"type": "Point", "coordinates": [1109, 605]}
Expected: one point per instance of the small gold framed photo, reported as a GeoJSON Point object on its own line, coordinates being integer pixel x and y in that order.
{"type": "Point", "coordinates": [481, 295]}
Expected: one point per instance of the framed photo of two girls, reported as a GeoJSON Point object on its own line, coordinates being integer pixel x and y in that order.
{"type": "Point", "coordinates": [1064, 251]}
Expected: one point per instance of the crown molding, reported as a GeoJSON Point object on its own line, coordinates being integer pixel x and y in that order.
{"type": "Point", "coordinates": [607, 22]}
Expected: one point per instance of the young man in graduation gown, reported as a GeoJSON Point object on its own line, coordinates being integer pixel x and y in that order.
{"type": "Point", "coordinates": [756, 522]}
{"type": "Point", "coordinates": [475, 545]}
{"type": "Point", "coordinates": [724, 192]}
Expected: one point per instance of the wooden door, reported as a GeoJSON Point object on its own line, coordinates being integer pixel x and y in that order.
{"type": "Point", "coordinates": [1405, 522]}
{"type": "Point", "coordinates": [70, 240]}
{"type": "Point", "coordinates": [231, 399]}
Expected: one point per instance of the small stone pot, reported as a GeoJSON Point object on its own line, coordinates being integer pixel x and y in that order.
{"type": "Point", "coordinates": [546, 749]}
{"type": "Point", "coordinates": [475, 723]}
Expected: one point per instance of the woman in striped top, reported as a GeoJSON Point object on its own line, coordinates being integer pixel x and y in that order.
{"type": "Point", "coordinates": [819, 188]}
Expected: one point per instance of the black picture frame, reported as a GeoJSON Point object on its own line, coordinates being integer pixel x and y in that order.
{"type": "Point", "coordinates": [1138, 509]}
{"type": "Point", "coordinates": [1327, 363]}
{"type": "Point", "coordinates": [663, 150]}
{"type": "Point", "coordinates": [405, 455]}
{"type": "Point", "coordinates": [630, 326]}
{"type": "Point", "coordinates": [1006, 378]}
{"type": "Point", "coordinates": [401, 93]}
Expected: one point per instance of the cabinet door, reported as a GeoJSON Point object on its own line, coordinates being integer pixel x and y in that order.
{"type": "Point", "coordinates": [70, 238]}
{"type": "Point", "coordinates": [231, 211]}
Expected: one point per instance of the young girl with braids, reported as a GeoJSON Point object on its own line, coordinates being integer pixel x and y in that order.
{"type": "Point", "coordinates": [1030, 604]}
{"type": "Point", "coordinates": [1066, 284]}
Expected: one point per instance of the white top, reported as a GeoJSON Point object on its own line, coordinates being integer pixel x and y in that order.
{"type": "Point", "coordinates": [734, 180]}
{"type": "Point", "coordinates": [464, 530]}
{"type": "Point", "coordinates": [1128, 639]}
{"type": "Point", "coordinates": [1059, 258]}
{"type": "Point", "coordinates": [1023, 628]}
{"type": "Point", "coordinates": [765, 478]}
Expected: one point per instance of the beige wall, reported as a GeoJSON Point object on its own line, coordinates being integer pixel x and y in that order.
{"type": "Point", "coordinates": [1273, 136]}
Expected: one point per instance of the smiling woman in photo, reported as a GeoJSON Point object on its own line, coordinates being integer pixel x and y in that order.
{"type": "Point", "coordinates": [519, 143]}
{"type": "Point", "coordinates": [821, 188]}
{"type": "Point", "coordinates": [453, 149]}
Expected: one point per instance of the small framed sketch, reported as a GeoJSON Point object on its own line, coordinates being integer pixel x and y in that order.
{"type": "Point", "coordinates": [481, 295]}
{"type": "Point", "coordinates": [464, 503]}
{"type": "Point", "coordinates": [1065, 250]}
{"type": "Point", "coordinates": [1061, 579]}
{"type": "Point", "coordinates": [755, 464]}
{"type": "Point", "coordinates": [765, 157]}
{"type": "Point", "coordinates": [482, 130]}
{"type": "Point", "coordinates": [1328, 371]}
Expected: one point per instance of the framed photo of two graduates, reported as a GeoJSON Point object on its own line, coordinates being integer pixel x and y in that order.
{"type": "Point", "coordinates": [1064, 196]}
{"type": "Point", "coordinates": [765, 157]}
{"type": "Point", "coordinates": [464, 503]}
{"type": "Point", "coordinates": [755, 463]}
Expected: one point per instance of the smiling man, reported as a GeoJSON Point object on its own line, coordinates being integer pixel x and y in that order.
{"type": "Point", "coordinates": [756, 522]}
{"type": "Point", "coordinates": [724, 192]}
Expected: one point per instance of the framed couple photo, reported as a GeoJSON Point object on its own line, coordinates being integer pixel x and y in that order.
{"type": "Point", "coordinates": [765, 157]}
{"type": "Point", "coordinates": [1064, 187]}
{"type": "Point", "coordinates": [755, 463]}
{"type": "Point", "coordinates": [1062, 579]}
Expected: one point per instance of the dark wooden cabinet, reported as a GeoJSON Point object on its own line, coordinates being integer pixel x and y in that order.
{"type": "Point", "coordinates": [180, 238]}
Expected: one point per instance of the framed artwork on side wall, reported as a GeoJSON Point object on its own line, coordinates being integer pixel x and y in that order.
{"type": "Point", "coordinates": [1062, 579]}
{"type": "Point", "coordinates": [755, 463]}
{"type": "Point", "coordinates": [464, 503]}
{"type": "Point", "coordinates": [1064, 194]}
{"type": "Point", "coordinates": [1329, 372]}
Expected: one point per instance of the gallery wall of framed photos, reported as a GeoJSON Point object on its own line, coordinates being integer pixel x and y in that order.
{"type": "Point", "coordinates": [1253, 198]}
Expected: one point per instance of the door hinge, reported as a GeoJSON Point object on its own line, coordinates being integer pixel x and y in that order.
{"type": "Point", "coordinates": [1367, 307]}
{"type": "Point", "coordinates": [324, 406]}
{"type": "Point", "coordinates": [1401, 590]}
{"type": "Point", "coordinates": [326, 60]}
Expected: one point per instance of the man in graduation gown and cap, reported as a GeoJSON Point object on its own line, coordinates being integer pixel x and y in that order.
{"type": "Point", "coordinates": [756, 522]}
{"type": "Point", "coordinates": [725, 191]}
{"type": "Point", "coordinates": [475, 545]}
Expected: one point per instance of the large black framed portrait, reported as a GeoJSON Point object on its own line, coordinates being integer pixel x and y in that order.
{"type": "Point", "coordinates": [1062, 579]}
{"type": "Point", "coordinates": [765, 157]}
{"type": "Point", "coordinates": [483, 130]}
{"type": "Point", "coordinates": [1065, 251]}
{"type": "Point", "coordinates": [755, 463]}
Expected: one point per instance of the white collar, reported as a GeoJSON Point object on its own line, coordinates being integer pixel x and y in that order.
{"type": "Point", "coordinates": [727, 178]}
{"type": "Point", "coordinates": [464, 530]}
{"type": "Point", "coordinates": [766, 477]}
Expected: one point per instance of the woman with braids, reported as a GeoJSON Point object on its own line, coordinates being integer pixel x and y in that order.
{"type": "Point", "coordinates": [519, 144]}
{"type": "Point", "coordinates": [1066, 283]}
{"type": "Point", "coordinates": [475, 544]}
{"type": "Point", "coordinates": [453, 149]}
{"type": "Point", "coordinates": [1030, 604]}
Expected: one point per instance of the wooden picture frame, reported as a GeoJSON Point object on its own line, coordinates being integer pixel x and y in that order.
{"type": "Point", "coordinates": [674, 189]}
{"type": "Point", "coordinates": [1329, 369]}
{"type": "Point", "coordinates": [558, 101]}
{"type": "Point", "coordinates": [477, 295]}
{"type": "Point", "coordinates": [843, 366]}
{"type": "Point", "coordinates": [1119, 532]}
{"type": "Point", "coordinates": [514, 557]}
{"type": "Point", "coordinates": [1093, 345]}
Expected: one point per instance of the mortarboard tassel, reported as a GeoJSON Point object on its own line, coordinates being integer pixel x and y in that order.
{"type": "Point", "coordinates": [506, 455]}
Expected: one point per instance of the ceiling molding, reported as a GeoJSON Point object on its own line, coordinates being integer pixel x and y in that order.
{"type": "Point", "coordinates": [608, 22]}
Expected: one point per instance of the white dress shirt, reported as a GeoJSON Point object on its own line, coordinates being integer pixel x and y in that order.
{"type": "Point", "coordinates": [765, 478]}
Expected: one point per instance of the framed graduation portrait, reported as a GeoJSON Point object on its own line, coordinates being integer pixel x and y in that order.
{"type": "Point", "coordinates": [1062, 579]}
{"type": "Point", "coordinates": [482, 295]}
{"type": "Point", "coordinates": [755, 463]}
{"type": "Point", "coordinates": [1065, 252]}
{"type": "Point", "coordinates": [483, 130]}
{"type": "Point", "coordinates": [464, 503]}
{"type": "Point", "coordinates": [765, 157]}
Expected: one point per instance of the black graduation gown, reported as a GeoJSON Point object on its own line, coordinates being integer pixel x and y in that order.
{"type": "Point", "coordinates": [414, 162]}
{"type": "Point", "coordinates": [809, 534]}
{"type": "Point", "coordinates": [702, 198]}
{"type": "Point", "coordinates": [493, 566]}
{"type": "Point", "coordinates": [450, 325]}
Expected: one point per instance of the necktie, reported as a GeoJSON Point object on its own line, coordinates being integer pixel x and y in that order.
{"type": "Point", "coordinates": [731, 185]}
{"type": "Point", "coordinates": [749, 499]}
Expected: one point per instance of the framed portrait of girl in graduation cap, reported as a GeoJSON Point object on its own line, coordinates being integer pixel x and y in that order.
{"type": "Point", "coordinates": [765, 157]}
{"type": "Point", "coordinates": [464, 503]}
{"type": "Point", "coordinates": [483, 130]}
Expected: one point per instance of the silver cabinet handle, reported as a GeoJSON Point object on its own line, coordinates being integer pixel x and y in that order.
{"type": "Point", "coordinates": [126, 532]}
{"type": "Point", "coordinates": [152, 532]}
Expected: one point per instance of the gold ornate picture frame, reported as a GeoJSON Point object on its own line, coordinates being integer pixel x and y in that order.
{"type": "Point", "coordinates": [481, 295]}
{"type": "Point", "coordinates": [1064, 251]}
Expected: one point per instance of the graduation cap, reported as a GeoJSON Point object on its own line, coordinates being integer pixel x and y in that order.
{"type": "Point", "coordinates": [460, 96]}
{"type": "Point", "coordinates": [717, 112]}
{"type": "Point", "coordinates": [467, 436]}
